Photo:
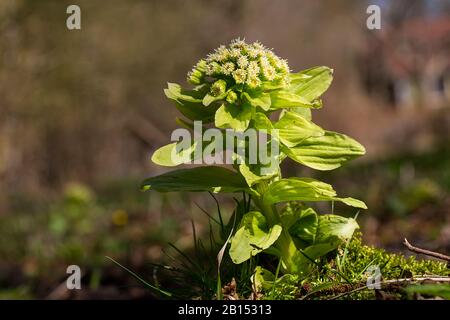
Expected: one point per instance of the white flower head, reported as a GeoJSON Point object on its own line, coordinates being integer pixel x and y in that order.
{"type": "Point", "coordinates": [212, 68]}
{"type": "Point", "coordinates": [253, 68]}
{"type": "Point", "coordinates": [259, 46]}
{"type": "Point", "coordinates": [253, 53]}
{"type": "Point", "coordinates": [253, 81]}
{"type": "Point", "coordinates": [284, 66]}
{"type": "Point", "coordinates": [269, 72]}
{"type": "Point", "coordinates": [235, 53]}
{"type": "Point", "coordinates": [242, 63]}
{"type": "Point", "coordinates": [238, 43]}
{"type": "Point", "coordinates": [228, 68]}
{"type": "Point", "coordinates": [222, 53]}
{"type": "Point", "coordinates": [240, 75]}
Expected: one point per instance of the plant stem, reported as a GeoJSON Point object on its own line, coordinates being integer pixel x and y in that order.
{"type": "Point", "coordinates": [284, 243]}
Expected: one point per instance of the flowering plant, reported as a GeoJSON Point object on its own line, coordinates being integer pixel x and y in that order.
{"type": "Point", "coordinates": [246, 88]}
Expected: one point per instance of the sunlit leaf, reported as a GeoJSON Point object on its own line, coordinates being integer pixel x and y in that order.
{"type": "Point", "coordinates": [253, 236]}
{"type": "Point", "coordinates": [214, 179]}
{"type": "Point", "coordinates": [233, 116]}
{"type": "Point", "coordinates": [325, 152]}
{"type": "Point", "coordinates": [305, 189]}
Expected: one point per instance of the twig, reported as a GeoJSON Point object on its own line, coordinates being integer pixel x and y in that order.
{"type": "Point", "coordinates": [426, 252]}
{"type": "Point", "coordinates": [393, 281]}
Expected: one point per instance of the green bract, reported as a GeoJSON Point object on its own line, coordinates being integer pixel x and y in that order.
{"type": "Point", "coordinates": [243, 88]}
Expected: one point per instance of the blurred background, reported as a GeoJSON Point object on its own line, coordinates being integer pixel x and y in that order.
{"type": "Point", "coordinates": [81, 112]}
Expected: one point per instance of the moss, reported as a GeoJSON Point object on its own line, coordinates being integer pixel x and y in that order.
{"type": "Point", "coordinates": [391, 265]}
{"type": "Point", "coordinates": [345, 270]}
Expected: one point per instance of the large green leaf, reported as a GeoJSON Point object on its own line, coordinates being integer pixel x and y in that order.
{"type": "Point", "coordinates": [285, 99]}
{"type": "Point", "coordinates": [325, 152]}
{"type": "Point", "coordinates": [304, 112]}
{"type": "Point", "coordinates": [214, 179]}
{"type": "Point", "coordinates": [253, 173]}
{"type": "Point", "coordinates": [234, 116]}
{"type": "Point", "coordinates": [309, 227]}
{"type": "Point", "coordinates": [253, 236]}
{"type": "Point", "coordinates": [318, 235]}
{"type": "Point", "coordinates": [262, 122]}
{"type": "Point", "coordinates": [304, 225]}
{"type": "Point", "coordinates": [189, 102]}
{"type": "Point", "coordinates": [333, 227]}
{"type": "Point", "coordinates": [310, 84]}
{"type": "Point", "coordinates": [305, 189]}
{"type": "Point", "coordinates": [293, 129]}
{"type": "Point", "coordinates": [257, 99]}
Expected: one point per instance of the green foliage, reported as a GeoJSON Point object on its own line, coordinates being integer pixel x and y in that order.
{"type": "Point", "coordinates": [253, 236]}
{"type": "Point", "coordinates": [440, 290]}
{"type": "Point", "coordinates": [346, 270]}
{"type": "Point", "coordinates": [305, 189]}
{"type": "Point", "coordinates": [214, 179]}
{"type": "Point", "coordinates": [326, 152]}
{"type": "Point", "coordinates": [392, 265]}
{"type": "Point", "coordinates": [242, 87]}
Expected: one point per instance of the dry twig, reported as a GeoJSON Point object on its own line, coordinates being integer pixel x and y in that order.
{"type": "Point", "coordinates": [426, 252]}
{"type": "Point", "coordinates": [397, 281]}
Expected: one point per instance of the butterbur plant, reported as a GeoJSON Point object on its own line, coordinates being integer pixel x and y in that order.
{"type": "Point", "coordinates": [239, 90]}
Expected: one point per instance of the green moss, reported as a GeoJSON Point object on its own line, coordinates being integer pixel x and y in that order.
{"type": "Point", "coordinates": [346, 270]}
{"type": "Point", "coordinates": [391, 265]}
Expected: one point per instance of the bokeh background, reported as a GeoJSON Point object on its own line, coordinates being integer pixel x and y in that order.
{"type": "Point", "coordinates": [81, 112]}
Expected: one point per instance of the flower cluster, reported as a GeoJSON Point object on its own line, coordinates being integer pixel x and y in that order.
{"type": "Point", "coordinates": [242, 64]}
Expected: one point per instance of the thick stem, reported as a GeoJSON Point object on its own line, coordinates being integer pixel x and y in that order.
{"type": "Point", "coordinates": [284, 244]}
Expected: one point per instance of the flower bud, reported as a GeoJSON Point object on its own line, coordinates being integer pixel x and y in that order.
{"type": "Point", "coordinates": [197, 74]}
{"type": "Point", "coordinates": [218, 88]}
{"type": "Point", "coordinates": [231, 97]}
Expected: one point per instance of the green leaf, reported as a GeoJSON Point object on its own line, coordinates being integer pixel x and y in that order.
{"type": "Point", "coordinates": [305, 189]}
{"type": "Point", "coordinates": [253, 236]}
{"type": "Point", "coordinates": [333, 227]}
{"type": "Point", "coordinates": [253, 173]}
{"type": "Point", "coordinates": [293, 129]}
{"type": "Point", "coordinates": [208, 98]}
{"type": "Point", "coordinates": [189, 102]}
{"type": "Point", "coordinates": [262, 279]}
{"type": "Point", "coordinates": [310, 84]}
{"type": "Point", "coordinates": [353, 202]}
{"type": "Point", "coordinates": [325, 152]}
{"type": "Point", "coordinates": [285, 99]}
{"type": "Point", "coordinates": [257, 99]}
{"type": "Point", "coordinates": [305, 226]}
{"type": "Point", "coordinates": [317, 250]}
{"type": "Point", "coordinates": [304, 112]}
{"type": "Point", "coordinates": [233, 116]}
{"type": "Point", "coordinates": [214, 179]}
{"type": "Point", "coordinates": [317, 237]}
{"type": "Point", "coordinates": [440, 290]}
{"type": "Point", "coordinates": [171, 155]}
{"type": "Point", "coordinates": [262, 122]}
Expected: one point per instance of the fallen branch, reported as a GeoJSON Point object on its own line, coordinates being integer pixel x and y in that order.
{"type": "Point", "coordinates": [396, 281]}
{"type": "Point", "coordinates": [426, 252]}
